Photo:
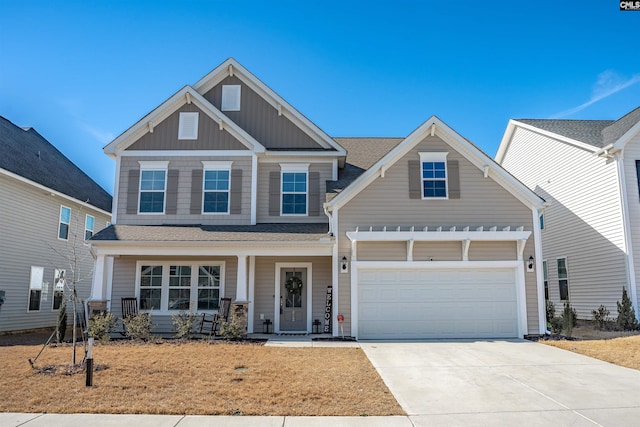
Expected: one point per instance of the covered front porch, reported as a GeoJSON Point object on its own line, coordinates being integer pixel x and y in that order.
{"type": "Point", "coordinates": [285, 282]}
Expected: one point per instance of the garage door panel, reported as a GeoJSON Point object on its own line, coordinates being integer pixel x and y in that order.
{"type": "Point", "coordinates": [442, 303]}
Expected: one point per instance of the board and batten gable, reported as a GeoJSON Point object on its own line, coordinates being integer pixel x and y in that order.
{"type": "Point", "coordinates": [583, 220]}
{"type": "Point", "coordinates": [631, 165]}
{"type": "Point", "coordinates": [165, 135]}
{"type": "Point", "coordinates": [30, 238]}
{"type": "Point", "coordinates": [186, 190]}
{"type": "Point", "coordinates": [260, 120]}
{"type": "Point", "coordinates": [483, 202]}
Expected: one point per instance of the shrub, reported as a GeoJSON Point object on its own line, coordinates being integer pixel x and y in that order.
{"type": "Point", "coordinates": [101, 326]}
{"type": "Point", "coordinates": [233, 330]}
{"type": "Point", "coordinates": [61, 322]}
{"type": "Point", "coordinates": [551, 310]}
{"type": "Point", "coordinates": [138, 326]}
{"type": "Point", "coordinates": [569, 319]}
{"type": "Point", "coordinates": [185, 323]}
{"type": "Point", "coordinates": [626, 315]}
{"type": "Point", "coordinates": [556, 325]}
{"type": "Point", "coordinates": [601, 316]}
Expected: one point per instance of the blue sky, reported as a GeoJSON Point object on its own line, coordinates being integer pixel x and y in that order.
{"type": "Point", "coordinates": [82, 72]}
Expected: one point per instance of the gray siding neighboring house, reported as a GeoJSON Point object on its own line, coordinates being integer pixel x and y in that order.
{"type": "Point", "coordinates": [586, 171]}
{"type": "Point", "coordinates": [38, 185]}
{"type": "Point", "coordinates": [347, 216]}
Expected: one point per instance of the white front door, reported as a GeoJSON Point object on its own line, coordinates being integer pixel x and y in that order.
{"type": "Point", "coordinates": [293, 300]}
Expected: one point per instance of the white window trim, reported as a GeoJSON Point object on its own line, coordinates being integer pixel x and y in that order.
{"type": "Point", "coordinates": [164, 293]}
{"type": "Point", "coordinates": [231, 98]}
{"type": "Point", "coordinates": [434, 156]}
{"type": "Point", "coordinates": [61, 222]}
{"type": "Point", "coordinates": [294, 168]}
{"type": "Point", "coordinates": [216, 166]}
{"type": "Point", "coordinates": [184, 117]}
{"type": "Point", "coordinates": [86, 219]}
{"type": "Point", "coordinates": [153, 166]}
{"type": "Point", "coordinates": [38, 287]}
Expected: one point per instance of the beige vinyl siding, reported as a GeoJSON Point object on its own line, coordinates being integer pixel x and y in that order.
{"type": "Point", "coordinates": [29, 237]}
{"type": "Point", "coordinates": [493, 251]}
{"type": "Point", "coordinates": [437, 251]}
{"type": "Point", "coordinates": [183, 215]}
{"type": "Point", "coordinates": [264, 290]}
{"type": "Point", "coordinates": [165, 135]}
{"type": "Point", "coordinates": [260, 120]}
{"type": "Point", "coordinates": [631, 154]}
{"type": "Point", "coordinates": [324, 169]}
{"type": "Point", "coordinates": [124, 283]}
{"type": "Point", "coordinates": [482, 202]}
{"type": "Point", "coordinates": [583, 221]}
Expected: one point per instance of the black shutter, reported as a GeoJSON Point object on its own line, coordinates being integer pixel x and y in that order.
{"type": "Point", "coordinates": [415, 180]}
{"type": "Point", "coordinates": [274, 193]}
{"type": "Point", "coordinates": [132, 191]}
{"type": "Point", "coordinates": [453, 179]}
{"type": "Point", "coordinates": [314, 194]}
{"type": "Point", "coordinates": [235, 194]}
{"type": "Point", "coordinates": [172, 192]}
{"type": "Point", "coordinates": [196, 191]}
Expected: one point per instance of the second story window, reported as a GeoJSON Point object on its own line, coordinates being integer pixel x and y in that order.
{"type": "Point", "coordinates": [65, 221]}
{"type": "Point", "coordinates": [434, 175]}
{"type": "Point", "coordinates": [216, 187]}
{"type": "Point", "coordinates": [294, 189]}
{"type": "Point", "coordinates": [88, 227]}
{"type": "Point", "coordinates": [153, 186]}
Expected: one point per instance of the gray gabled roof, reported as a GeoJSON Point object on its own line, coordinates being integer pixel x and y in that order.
{"type": "Point", "coordinates": [598, 133]}
{"type": "Point", "coordinates": [362, 153]}
{"type": "Point", "coordinates": [28, 154]}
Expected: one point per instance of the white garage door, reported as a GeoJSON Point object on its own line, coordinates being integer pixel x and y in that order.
{"type": "Point", "coordinates": [442, 303]}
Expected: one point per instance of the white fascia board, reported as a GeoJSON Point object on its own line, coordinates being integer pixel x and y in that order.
{"type": "Point", "coordinates": [433, 265]}
{"type": "Point", "coordinates": [278, 103]}
{"type": "Point", "coordinates": [296, 156]}
{"type": "Point", "coordinates": [54, 192]}
{"type": "Point", "coordinates": [505, 141]}
{"type": "Point", "coordinates": [193, 249]}
{"type": "Point", "coordinates": [186, 153]}
{"type": "Point", "coordinates": [437, 236]}
{"type": "Point", "coordinates": [561, 138]}
{"type": "Point", "coordinates": [171, 105]}
{"type": "Point", "coordinates": [622, 141]}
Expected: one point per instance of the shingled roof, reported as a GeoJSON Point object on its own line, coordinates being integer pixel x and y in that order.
{"type": "Point", "coordinates": [598, 133]}
{"type": "Point", "coordinates": [28, 154]}
{"type": "Point", "coordinates": [362, 153]}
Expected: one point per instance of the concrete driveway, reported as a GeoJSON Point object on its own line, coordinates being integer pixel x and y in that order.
{"type": "Point", "coordinates": [505, 383]}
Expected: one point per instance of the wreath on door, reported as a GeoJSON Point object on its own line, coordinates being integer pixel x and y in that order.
{"type": "Point", "coordinates": [293, 285]}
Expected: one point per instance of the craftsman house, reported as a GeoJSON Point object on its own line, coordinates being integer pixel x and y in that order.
{"type": "Point", "coordinates": [588, 171]}
{"type": "Point", "coordinates": [227, 190]}
{"type": "Point", "coordinates": [50, 209]}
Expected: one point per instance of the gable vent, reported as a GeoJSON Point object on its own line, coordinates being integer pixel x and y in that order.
{"type": "Point", "coordinates": [188, 127]}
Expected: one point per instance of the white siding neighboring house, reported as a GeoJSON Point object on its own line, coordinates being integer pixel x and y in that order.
{"type": "Point", "coordinates": [47, 204]}
{"type": "Point", "coordinates": [586, 171]}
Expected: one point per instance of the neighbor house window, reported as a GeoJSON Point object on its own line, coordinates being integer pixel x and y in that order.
{"type": "Point", "coordinates": [563, 279]}
{"type": "Point", "coordinates": [58, 288]}
{"type": "Point", "coordinates": [541, 218]}
{"type": "Point", "coordinates": [35, 288]}
{"type": "Point", "coordinates": [188, 126]}
{"type": "Point", "coordinates": [434, 175]}
{"type": "Point", "coordinates": [170, 286]}
{"type": "Point", "coordinates": [231, 98]}
{"type": "Point", "coordinates": [294, 189]}
{"type": "Point", "coordinates": [150, 287]}
{"type": "Point", "coordinates": [545, 274]}
{"type": "Point", "coordinates": [153, 185]}
{"type": "Point", "coordinates": [88, 227]}
{"type": "Point", "coordinates": [65, 221]}
{"type": "Point", "coordinates": [216, 187]}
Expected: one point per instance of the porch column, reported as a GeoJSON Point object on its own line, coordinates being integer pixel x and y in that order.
{"type": "Point", "coordinates": [97, 286]}
{"type": "Point", "coordinates": [242, 280]}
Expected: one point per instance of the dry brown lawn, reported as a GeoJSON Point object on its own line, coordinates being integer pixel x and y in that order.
{"type": "Point", "coordinates": [197, 378]}
{"type": "Point", "coordinates": [617, 347]}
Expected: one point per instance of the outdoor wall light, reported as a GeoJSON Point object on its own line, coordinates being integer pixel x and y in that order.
{"type": "Point", "coordinates": [530, 264]}
{"type": "Point", "coordinates": [344, 265]}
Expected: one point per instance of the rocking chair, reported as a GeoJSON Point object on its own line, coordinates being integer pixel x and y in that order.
{"type": "Point", "coordinates": [216, 319]}
{"type": "Point", "coordinates": [129, 309]}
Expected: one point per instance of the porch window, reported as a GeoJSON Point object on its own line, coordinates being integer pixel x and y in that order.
{"type": "Point", "coordinates": [179, 287]}
{"type": "Point", "coordinates": [150, 287]}
{"type": "Point", "coordinates": [563, 278]}
{"type": "Point", "coordinates": [35, 288]}
{"type": "Point", "coordinates": [208, 287]}
{"type": "Point", "coordinates": [65, 220]}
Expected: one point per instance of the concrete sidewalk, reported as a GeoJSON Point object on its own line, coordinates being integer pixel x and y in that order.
{"type": "Point", "coordinates": [102, 420]}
